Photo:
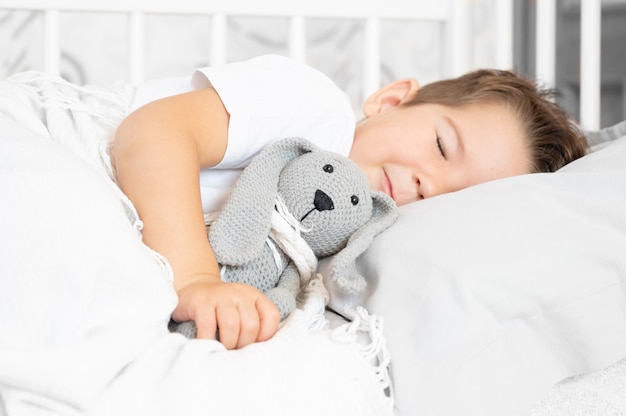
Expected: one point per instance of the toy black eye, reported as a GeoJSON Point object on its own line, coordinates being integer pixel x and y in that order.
{"type": "Point", "coordinates": [328, 168]}
{"type": "Point", "coordinates": [354, 199]}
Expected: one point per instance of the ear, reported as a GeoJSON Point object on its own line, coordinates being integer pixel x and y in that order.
{"type": "Point", "coordinates": [342, 268]}
{"type": "Point", "coordinates": [390, 96]}
{"type": "Point", "coordinates": [239, 232]}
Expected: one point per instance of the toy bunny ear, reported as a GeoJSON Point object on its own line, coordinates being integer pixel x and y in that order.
{"type": "Point", "coordinates": [240, 230]}
{"type": "Point", "coordinates": [342, 267]}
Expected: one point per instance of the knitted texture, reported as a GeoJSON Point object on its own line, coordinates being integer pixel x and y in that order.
{"type": "Point", "coordinates": [327, 200]}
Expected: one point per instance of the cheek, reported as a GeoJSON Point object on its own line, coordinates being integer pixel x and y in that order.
{"type": "Point", "coordinates": [374, 179]}
{"type": "Point", "coordinates": [365, 153]}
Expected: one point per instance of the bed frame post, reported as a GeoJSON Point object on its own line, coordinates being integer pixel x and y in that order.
{"type": "Point", "coordinates": [590, 43]}
{"type": "Point", "coordinates": [218, 39]}
{"type": "Point", "coordinates": [457, 34]}
{"type": "Point", "coordinates": [371, 56]}
{"type": "Point", "coordinates": [297, 38]}
{"type": "Point", "coordinates": [545, 49]}
{"type": "Point", "coordinates": [52, 47]}
{"type": "Point", "coordinates": [504, 34]}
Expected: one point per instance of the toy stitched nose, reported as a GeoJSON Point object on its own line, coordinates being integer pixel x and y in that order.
{"type": "Point", "coordinates": [322, 201]}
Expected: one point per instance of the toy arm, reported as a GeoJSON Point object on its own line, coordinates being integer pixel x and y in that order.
{"type": "Point", "coordinates": [286, 291]}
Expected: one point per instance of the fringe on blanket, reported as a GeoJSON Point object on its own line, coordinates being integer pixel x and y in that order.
{"type": "Point", "coordinates": [83, 119]}
{"type": "Point", "coordinates": [364, 331]}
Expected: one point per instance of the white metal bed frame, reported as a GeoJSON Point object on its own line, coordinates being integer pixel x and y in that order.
{"type": "Point", "coordinates": [452, 13]}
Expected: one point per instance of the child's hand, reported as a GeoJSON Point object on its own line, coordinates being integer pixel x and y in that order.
{"type": "Point", "coordinates": [240, 312]}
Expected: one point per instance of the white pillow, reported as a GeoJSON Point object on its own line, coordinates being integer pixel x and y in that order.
{"type": "Point", "coordinates": [493, 294]}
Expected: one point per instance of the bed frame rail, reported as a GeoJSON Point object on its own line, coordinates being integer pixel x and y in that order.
{"type": "Point", "coordinates": [453, 14]}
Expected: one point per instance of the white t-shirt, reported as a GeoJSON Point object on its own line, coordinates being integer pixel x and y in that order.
{"type": "Point", "coordinates": [268, 98]}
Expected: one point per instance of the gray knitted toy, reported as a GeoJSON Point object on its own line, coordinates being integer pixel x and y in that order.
{"type": "Point", "coordinates": [324, 198]}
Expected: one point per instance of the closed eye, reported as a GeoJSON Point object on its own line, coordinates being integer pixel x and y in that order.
{"type": "Point", "coordinates": [441, 148]}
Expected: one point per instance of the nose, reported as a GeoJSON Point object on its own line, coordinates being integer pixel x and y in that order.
{"type": "Point", "coordinates": [322, 201]}
{"type": "Point", "coordinates": [427, 186]}
{"type": "Point", "coordinates": [426, 189]}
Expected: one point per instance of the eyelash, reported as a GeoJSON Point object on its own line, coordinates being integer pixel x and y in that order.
{"type": "Point", "coordinates": [441, 148]}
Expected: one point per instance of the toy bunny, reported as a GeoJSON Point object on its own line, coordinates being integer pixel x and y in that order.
{"type": "Point", "coordinates": [292, 205]}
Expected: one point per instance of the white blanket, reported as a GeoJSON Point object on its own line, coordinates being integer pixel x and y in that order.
{"type": "Point", "coordinates": [84, 304]}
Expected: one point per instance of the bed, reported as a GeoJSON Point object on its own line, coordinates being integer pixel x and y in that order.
{"type": "Point", "coordinates": [505, 298]}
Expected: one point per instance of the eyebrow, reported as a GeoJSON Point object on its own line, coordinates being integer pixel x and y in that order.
{"type": "Point", "coordinates": [457, 131]}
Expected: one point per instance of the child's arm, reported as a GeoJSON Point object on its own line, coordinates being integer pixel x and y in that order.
{"type": "Point", "coordinates": [158, 151]}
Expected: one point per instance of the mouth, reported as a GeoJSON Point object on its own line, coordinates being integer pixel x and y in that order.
{"type": "Point", "coordinates": [307, 214]}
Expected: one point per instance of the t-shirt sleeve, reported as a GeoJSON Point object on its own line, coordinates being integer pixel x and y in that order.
{"type": "Point", "coordinates": [270, 98]}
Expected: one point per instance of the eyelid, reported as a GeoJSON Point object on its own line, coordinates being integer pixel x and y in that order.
{"type": "Point", "coordinates": [454, 141]}
{"type": "Point", "coordinates": [441, 147]}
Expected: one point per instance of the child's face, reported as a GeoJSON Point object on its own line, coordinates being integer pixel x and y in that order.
{"type": "Point", "coordinates": [422, 151]}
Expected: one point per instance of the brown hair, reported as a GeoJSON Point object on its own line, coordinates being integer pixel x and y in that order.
{"type": "Point", "coordinates": [553, 139]}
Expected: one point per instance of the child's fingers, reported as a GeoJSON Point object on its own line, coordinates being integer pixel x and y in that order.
{"type": "Point", "coordinates": [249, 324]}
{"type": "Point", "coordinates": [228, 323]}
{"type": "Point", "coordinates": [241, 315]}
{"type": "Point", "coordinates": [206, 325]}
{"type": "Point", "coordinates": [269, 318]}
